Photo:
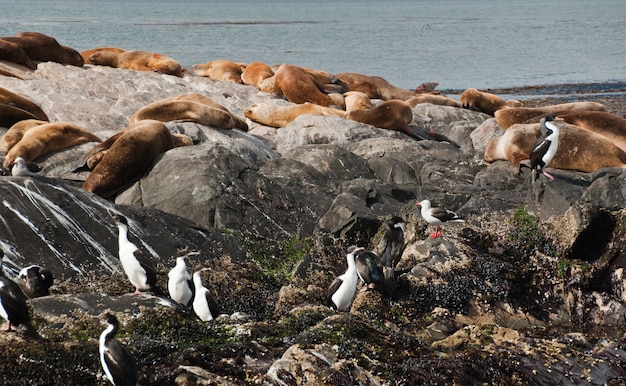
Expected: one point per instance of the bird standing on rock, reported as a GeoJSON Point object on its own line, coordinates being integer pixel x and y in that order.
{"type": "Point", "coordinates": [390, 250]}
{"type": "Point", "coordinates": [367, 267]}
{"type": "Point", "coordinates": [179, 284]}
{"type": "Point", "coordinates": [136, 264]}
{"type": "Point", "coordinates": [342, 290]}
{"type": "Point", "coordinates": [545, 149]}
{"type": "Point", "coordinates": [116, 361]}
{"type": "Point", "coordinates": [437, 216]}
{"type": "Point", "coordinates": [203, 303]}
{"type": "Point", "coordinates": [35, 281]}
{"type": "Point", "coordinates": [13, 305]}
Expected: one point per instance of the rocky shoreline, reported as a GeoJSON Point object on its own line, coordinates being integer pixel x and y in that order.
{"type": "Point", "coordinates": [528, 291]}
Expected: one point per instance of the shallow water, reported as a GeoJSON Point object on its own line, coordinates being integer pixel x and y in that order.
{"type": "Point", "coordinates": [458, 43]}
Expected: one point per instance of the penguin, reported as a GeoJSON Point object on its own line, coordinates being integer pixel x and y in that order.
{"type": "Point", "coordinates": [13, 306]}
{"type": "Point", "coordinates": [342, 290]}
{"type": "Point", "coordinates": [390, 250]}
{"type": "Point", "coordinates": [35, 281]}
{"type": "Point", "coordinates": [19, 167]}
{"type": "Point", "coordinates": [203, 303]}
{"type": "Point", "coordinates": [116, 361]}
{"type": "Point", "coordinates": [544, 150]}
{"type": "Point", "coordinates": [437, 216]}
{"type": "Point", "coordinates": [368, 269]}
{"type": "Point", "coordinates": [179, 284]}
{"type": "Point", "coordinates": [136, 264]}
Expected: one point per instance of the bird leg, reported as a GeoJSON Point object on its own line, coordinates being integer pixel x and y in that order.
{"type": "Point", "coordinates": [437, 233]}
{"type": "Point", "coordinates": [547, 174]}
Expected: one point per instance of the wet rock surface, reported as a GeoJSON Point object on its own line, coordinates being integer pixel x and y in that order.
{"type": "Point", "coordinates": [529, 290]}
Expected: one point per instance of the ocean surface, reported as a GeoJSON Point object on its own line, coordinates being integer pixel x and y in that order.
{"type": "Point", "coordinates": [459, 43]}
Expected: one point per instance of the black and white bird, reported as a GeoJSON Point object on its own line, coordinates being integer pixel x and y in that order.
{"type": "Point", "coordinates": [136, 264]}
{"type": "Point", "coordinates": [35, 281]}
{"type": "Point", "coordinates": [545, 149]}
{"type": "Point", "coordinates": [19, 167]}
{"type": "Point", "coordinates": [204, 305]}
{"type": "Point", "coordinates": [390, 249]}
{"type": "Point", "coordinates": [369, 270]}
{"type": "Point", "coordinates": [179, 283]}
{"type": "Point", "coordinates": [437, 216]}
{"type": "Point", "coordinates": [117, 363]}
{"type": "Point", "coordinates": [13, 306]}
{"type": "Point", "coordinates": [343, 288]}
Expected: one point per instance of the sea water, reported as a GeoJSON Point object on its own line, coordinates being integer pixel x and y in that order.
{"type": "Point", "coordinates": [459, 43]}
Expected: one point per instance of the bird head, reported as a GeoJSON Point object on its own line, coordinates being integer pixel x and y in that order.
{"type": "Point", "coordinates": [119, 219]}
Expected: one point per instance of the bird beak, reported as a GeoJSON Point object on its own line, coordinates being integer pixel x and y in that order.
{"type": "Point", "coordinates": [418, 204]}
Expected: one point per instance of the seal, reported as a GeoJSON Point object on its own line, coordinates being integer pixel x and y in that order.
{"type": "Point", "coordinates": [604, 123]}
{"type": "Point", "coordinates": [128, 156]}
{"type": "Point", "coordinates": [579, 149]}
{"type": "Point", "coordinates": [508, 117]}
{"type": "Point", "coordinates": [298, 85]}
{"type": "Point", "coordinates": [87, 53]}
{"type": "Point", "coordinates": [10, 98]}
{"type": "Point", "coordinates": [256, 74]}
{"type": "Point", "coordinates": [356, 100]}
{"type": "Point", "coordinates": [439, 100]}
{"type": "Point", "coordinates": [16, 132]}
{"type": "Point", "coordinates": [280, 116]}
{"type": "Point", "coordinates": [10, 115]}
{"type": "Point", "coordinates": [44, 48]}
{"type": "Point", "coordinates": [48, 138]}
{"type": "Point", "coordinates": [391, 115]}
{"type": "Point", "coordinates": [375, 87]}
{"type": "Point", "coordinates": [137, 60]}
{"type": "Point", "coordinates": [192, 108]}
{"type": "Point", "coordinates": [485, 102]}
{"type": "Point", "coordinates": [220, 69]}
{"type": "Point", "coordinates": [12, 52]}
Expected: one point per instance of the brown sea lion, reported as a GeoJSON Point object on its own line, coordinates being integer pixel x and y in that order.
{"type": "Point", "coordinates": [47, 138]}
{"type": "Point", "coordinates": [374, 87]}
{"type": "Point", "coordinates": [297, 85]}
{"type": "Point", "coordinates": [391, 115]}
{"type": "Point", "coordinates": [579, 149]}
{"type": "Point", "coordinates": [10, 98]}
{"type": "Point", "coordinates": [281, 116]}
{"type": "Point", "coordinates": [12, 52]}
{"type": "Point", "coordinates": [137, 60]}
{"type": "Point", "coordinates": [87, 53]}
{"type": "Point", "coordinates": [10, 115]}
{"type": "Point", "coordinates": [439, 100]}
{"type": "Point", "coordinates": [130, 154]}
{"type": "Point", "coordinates": [485, 102]}
{"type": "Point", "coordinates": [256, 74]}
{"type": "Point", "coordinates": [192, 108]}
{"type": "Point", "coordinates": [44, 48]}
{"type": "Point", "coordinates": [357, 100]}
{"type": "Point", "coordinates": [16, 132]}
{"type": "Point", "coordinates": [220, 69]}
{"type": "Point", "coordinates": [511, 116]}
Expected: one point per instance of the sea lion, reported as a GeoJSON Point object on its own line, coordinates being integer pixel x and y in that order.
{"type": "Point", "coordinates": [44, 48]}
{"type": "Point", "coordinates": [298, 85]}
{"type": "Point", "coordinates": [439, 100]}
{"type": "Point", "coordinates": [256, 74]}
{"type": "Point", "coordinates": [511, 116]}
{"type": "Point", "coordinates": [374, 87]}
{"type": "Point", "coordinates": [137, 60]}
{"type": "Point", "coordinates": [10, 98]}
{"type": "Point", "coordinates": [391, 115]}
{"type": "Point", "coordinates": [220, 69]}
{"type": "Point", "coordinates": [130, 154]}
{"type": "Point", "coordinates": [579, 149]}
{"type": "Point", "coordinates": [12, 52]}
{"type": "Point", "coordinates": [357, 100]}
{"type": "Point", "coordinates": [193, 108]}
{"type": "Point", "coordinates": [281, 116]}
{"type": "Point", "coordinates": [47, 138]}
{"type": "Point", "coordinates": [10, 115]}
{"type": "Point", "coordinates": [16, 132]}
{"type": "Point", "coordinates": [485, 102]}
{"type": "Point", "coordinates": [87, 53]}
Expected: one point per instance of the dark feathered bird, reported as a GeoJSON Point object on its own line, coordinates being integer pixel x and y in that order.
{"type": "Point", "coordinates": [13, 306]}
{"type": "Point", "coordinates": [368, 267]}
{"type": "Point", "coordinates": [136, 264]}
{"type": "Point", "coordinates": [545, 149]}
{"type": "Point", "coordinates": [35, 281]}
{"type": "Point", "coordinates": [116, 361]}
{"type": "Point", "coordinates": [390, 250]}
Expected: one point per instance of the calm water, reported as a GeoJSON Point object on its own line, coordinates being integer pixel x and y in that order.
{"type": "Point", "coordinates": [459, 43]}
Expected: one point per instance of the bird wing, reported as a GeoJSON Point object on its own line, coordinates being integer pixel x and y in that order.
{"type": "Point", "coordinates": [12, 297]}
{"type": "Point", "coordinates": [334, 286]}
{"type": "Point", "coordinates": [538, 152]}
{"type": "Point", "coordinates": [148, 266]}
{"type": "Point", "coordinates": [213, 307]}
{"type": "Point", "coordinates": [367, 267]}
{"type": "Point", "coordinates": [444, 215]}
{"type": "Point", "coordinates": [120, 363]}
